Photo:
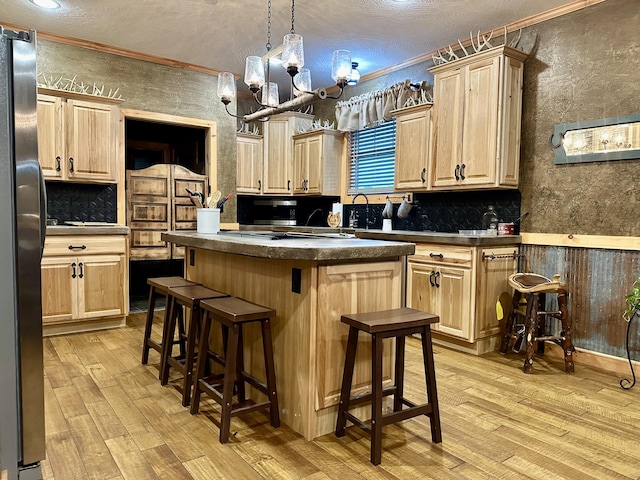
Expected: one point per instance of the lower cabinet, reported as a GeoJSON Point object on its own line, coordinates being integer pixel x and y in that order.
{"type": "Point", "coordinates": [84, 282]}
{"type": "Point", "coordinates": [461, 284]}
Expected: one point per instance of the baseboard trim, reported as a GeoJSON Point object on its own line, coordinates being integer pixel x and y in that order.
{"type": "Point", "coordinates": [84, 326]}
{"type": "Point", "coordinates": [602, 361]}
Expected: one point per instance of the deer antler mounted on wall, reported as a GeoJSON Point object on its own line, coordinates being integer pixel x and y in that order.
{"type": "Point", "coordinates": [477, 43]}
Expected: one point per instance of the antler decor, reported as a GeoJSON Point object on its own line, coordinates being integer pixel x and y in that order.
{"type": "Point", "coordinates": [477, 43]}
{"type": "Point", "coordinates": [71, 85]}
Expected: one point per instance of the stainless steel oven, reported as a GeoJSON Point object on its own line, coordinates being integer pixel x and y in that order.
{"type": "Point", "coordinates": [274, 212]}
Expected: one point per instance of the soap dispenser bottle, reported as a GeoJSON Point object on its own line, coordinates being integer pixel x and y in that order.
{"type": "Point", "coordinates": [490, 221]}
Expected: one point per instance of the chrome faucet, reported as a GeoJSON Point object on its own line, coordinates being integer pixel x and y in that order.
{"type": "Point", "coordinates": [366, 217]}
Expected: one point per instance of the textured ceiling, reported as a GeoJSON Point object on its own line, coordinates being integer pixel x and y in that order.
{"type": "Point", "coordinates": [220, 33]}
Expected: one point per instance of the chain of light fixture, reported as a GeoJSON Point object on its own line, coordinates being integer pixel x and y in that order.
{"type": "Point", "coordinates": [293, 61]}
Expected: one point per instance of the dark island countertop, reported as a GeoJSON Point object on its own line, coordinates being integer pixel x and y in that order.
{"type": "Point", "coordinates": [293, 245]}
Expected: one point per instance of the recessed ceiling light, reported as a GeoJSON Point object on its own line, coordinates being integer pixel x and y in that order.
{"type": "Point", "coordinates": [49, 4]}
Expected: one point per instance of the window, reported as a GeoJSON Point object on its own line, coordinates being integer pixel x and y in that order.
{"type": "Point", "coordinates": [372, 153]}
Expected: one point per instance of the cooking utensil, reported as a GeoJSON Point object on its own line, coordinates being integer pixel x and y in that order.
{"type": "Point", "coordinates": [222, 202]}
{"type": "Point", "coordinates": [213, 200]}
{"type": "Point", "coordinates": [195, 198]}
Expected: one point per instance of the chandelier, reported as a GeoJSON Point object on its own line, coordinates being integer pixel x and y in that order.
{"type": "Point", "coordinates": [257, 76]}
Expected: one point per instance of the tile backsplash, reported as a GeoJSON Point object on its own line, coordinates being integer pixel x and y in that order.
{"type": "Point", "coordinates": [444, 212]}
{"type": "Point", "coordinates": [81, 202]}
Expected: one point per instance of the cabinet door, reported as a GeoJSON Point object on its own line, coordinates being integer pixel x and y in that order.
{"type": "Point", "coordinates": [101, 285]}
{"type": "Point", "coordinates": [91, 141]}
{"type": "Point", "coordinates": [421, 291]}
{"type": "Point", "coordinates": [480, 133]}
{"type": "Point", "coordinates": [412, 150]}
{"type": "Point", "coordinates": [448, 117]}
{"type": "Point", "coordinates": [300, 165]}
{"type": "Point", "coordinates": [59, 289]}
{"type": "Point", "coordinates": [249, 168]}
{"type": "Point", "coordinates": [314, 165]}
{"type": "Point", "coordinates": [277, 164]}
{"type": "Point", "coordinates": [494, 268]}
{"type": "Point", "coordinates": [51, 152]}
{"type": "Point", "coordinates": [511, 124]}
{"type": "Point", "coordinates": [454, 301]}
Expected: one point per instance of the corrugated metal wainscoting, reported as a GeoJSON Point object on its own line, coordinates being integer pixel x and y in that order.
{"type": "Point", "coordinates": [598, 280]}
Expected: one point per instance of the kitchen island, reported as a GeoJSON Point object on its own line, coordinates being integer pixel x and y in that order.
{"type": "Point", "coordinates": [310, 281]}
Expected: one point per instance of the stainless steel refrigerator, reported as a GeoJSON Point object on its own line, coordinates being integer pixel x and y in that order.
{"type": "Point", "coordinates": [22, 229]}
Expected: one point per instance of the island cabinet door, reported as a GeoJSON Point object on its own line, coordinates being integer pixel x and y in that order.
{"type": "Point", "coordinates": [421, 290]}
{"type": "Point", "coordinates": [344, 289]}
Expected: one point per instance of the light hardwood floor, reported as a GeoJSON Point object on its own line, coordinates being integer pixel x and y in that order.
{"type": "Point", "coordinates": [107, 417]}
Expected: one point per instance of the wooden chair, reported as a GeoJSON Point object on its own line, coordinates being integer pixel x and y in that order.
{"type": "Point", "coordinates": [535, 287]}
{"type": "Point", "coordinates": [233, 313]}
{"type": "Point", "coordinates": [396, 323]}
{"type": "Point", "coordinates": [159, 287]}
{"type": "Point", "coordinates": [189, 297]}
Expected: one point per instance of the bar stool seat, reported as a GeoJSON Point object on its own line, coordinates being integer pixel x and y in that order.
{"type": "Point", "coordinates": [396, 323]}
{"type": "Point", "coordinates": [232, 313]}
{"type": "Point", "coordinates": [159, 287]}
{"type": "Point", "coordinates": [189, 297]}
{"type": "Point", "coordinates": [531, 327]}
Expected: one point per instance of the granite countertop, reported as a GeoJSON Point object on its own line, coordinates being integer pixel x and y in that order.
{"type": "Point", "coordinates": [292, 246]}
{"type": "Point", "coordinates": [402, 235]}
{"type": "Point", "coordinates": [102, 229]}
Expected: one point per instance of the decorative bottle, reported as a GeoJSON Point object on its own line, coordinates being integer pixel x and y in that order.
{"type": "Point", "coordinates": [490, 221]}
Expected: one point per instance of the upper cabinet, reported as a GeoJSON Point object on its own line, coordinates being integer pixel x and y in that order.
{"type": "Point", "coordinates": [78, 138]}
{"type": "Point", "coordinates": [413, 147]}
{"type": "Point", "coordinates": [278, 151]}
{"type": "Point", "coordinates": [476, 121]}
{"type": "Point", "coordinates": [249, 166]}
{"type": "Point", "coordinates": [317, 157]}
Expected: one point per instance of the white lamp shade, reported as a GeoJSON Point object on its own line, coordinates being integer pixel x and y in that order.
{"type": "Point", "coordinates": [254, 72]}
{"type": "Point", "coordinates": [341, 65]}
{"type": "Point", "coordinates": [292, 51]}
{"type": "Point", "coordinates": [302, 81]}
{"type": "Point", "coordinates": [270, 97]}
{"type": "Point", "coordinates": [226, 86]}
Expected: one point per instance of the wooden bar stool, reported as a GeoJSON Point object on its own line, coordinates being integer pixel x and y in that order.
{"type": "Point", "coordinates": [232, 313]}
{"type": "Point", "coordinates": [533, 324]}
{"type": "Point", "coordinates": [159, 287]}
{"type": "Point", "coordinates": [396, 323]}
{"type": "Point", "coordinates": [189, 297]}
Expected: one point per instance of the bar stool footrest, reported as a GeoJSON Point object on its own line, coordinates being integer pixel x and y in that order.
{"type": "Point", "coordinates": [366, 396]}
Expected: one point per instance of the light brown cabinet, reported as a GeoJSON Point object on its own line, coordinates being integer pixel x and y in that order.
{"type": "Point", "coordinates": [157, 201]}
{"type": "Point", "coordinates": [84, 280]}
{"type": "Point", "coordinates": [461, 284]}
{"type": "Point", "coordinates": [278, 151]}
{"type": "Point", "coordinates": [476, 121]}
{"type": "Point", "coordinates": [78, 138]}
{"type": "Point", "coordinates": [317, 158]}
{"type": "Point", "coordinates": [413, 147]}
{"type": "Point", "coordinates": [249, 166]}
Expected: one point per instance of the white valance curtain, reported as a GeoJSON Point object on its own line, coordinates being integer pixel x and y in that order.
{"type": "Point", "coordinates": [372, 108]}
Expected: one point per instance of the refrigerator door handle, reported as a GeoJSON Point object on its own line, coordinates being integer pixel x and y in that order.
{"type": "Point", "coordinates": [43, 211]}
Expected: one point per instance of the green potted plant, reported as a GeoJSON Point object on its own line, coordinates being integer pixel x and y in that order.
{"type": "Point", "coordinates": [632, 310]}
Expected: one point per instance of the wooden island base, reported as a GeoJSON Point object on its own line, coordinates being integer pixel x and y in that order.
{"type": "Point", "coordinates": [309, 340]}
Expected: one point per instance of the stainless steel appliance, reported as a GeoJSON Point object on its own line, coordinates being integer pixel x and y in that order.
{"type": "Point", "coordinates": [22, 228]}
{"type": "Point", "coordinates": [274, 212]}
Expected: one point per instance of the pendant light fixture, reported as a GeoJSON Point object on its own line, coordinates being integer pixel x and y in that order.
{"type": "Point", "coordinates": [257, 76]}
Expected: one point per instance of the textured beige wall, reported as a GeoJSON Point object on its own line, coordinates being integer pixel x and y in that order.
{"type": "Point", "coordinates": [154, 88]}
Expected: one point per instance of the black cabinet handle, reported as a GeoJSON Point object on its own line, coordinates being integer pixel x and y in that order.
{"type": "Point", "coordinates": [424, 170]}
{"type": "Point", "coordinates": [259, 185]}
{"type": "Point", "coordinates": [436, 279]}
{"type": "Point", "coordinates": [306, 185]}
{"type": "Point", "coordinates": [288, 184]}
{"type": "Point", "coordinates": [73, 270]}
{"type": "Point", "coordinates": [439, 255]}
{"type": "Point", "coordinates": [462, 177]}
{"type": "Point", "coordinates": [71, 169]}
{"type": "Point", "coordinates": [58, 166]}
{"type": "Point", "coordinates": [81, 247]}
{"type": "Point", "coordinates": [81, 272]}
{"type": "Point", "coordinates": [457, 172]}
{"type": "Point", "coordinates": [431, 275]}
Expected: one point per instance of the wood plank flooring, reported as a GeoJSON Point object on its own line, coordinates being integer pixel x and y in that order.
{"type": "Point", "coordinates": [107, 417]}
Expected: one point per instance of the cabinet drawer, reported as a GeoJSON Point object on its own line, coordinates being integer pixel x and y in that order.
{"type": "Point", "coordinates": [84, 245]}
{"type": "Point", "coordinates": [434, 253]}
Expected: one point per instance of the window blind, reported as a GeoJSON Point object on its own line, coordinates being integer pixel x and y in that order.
{"type": "Point", "coordinates": [372, 153]}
